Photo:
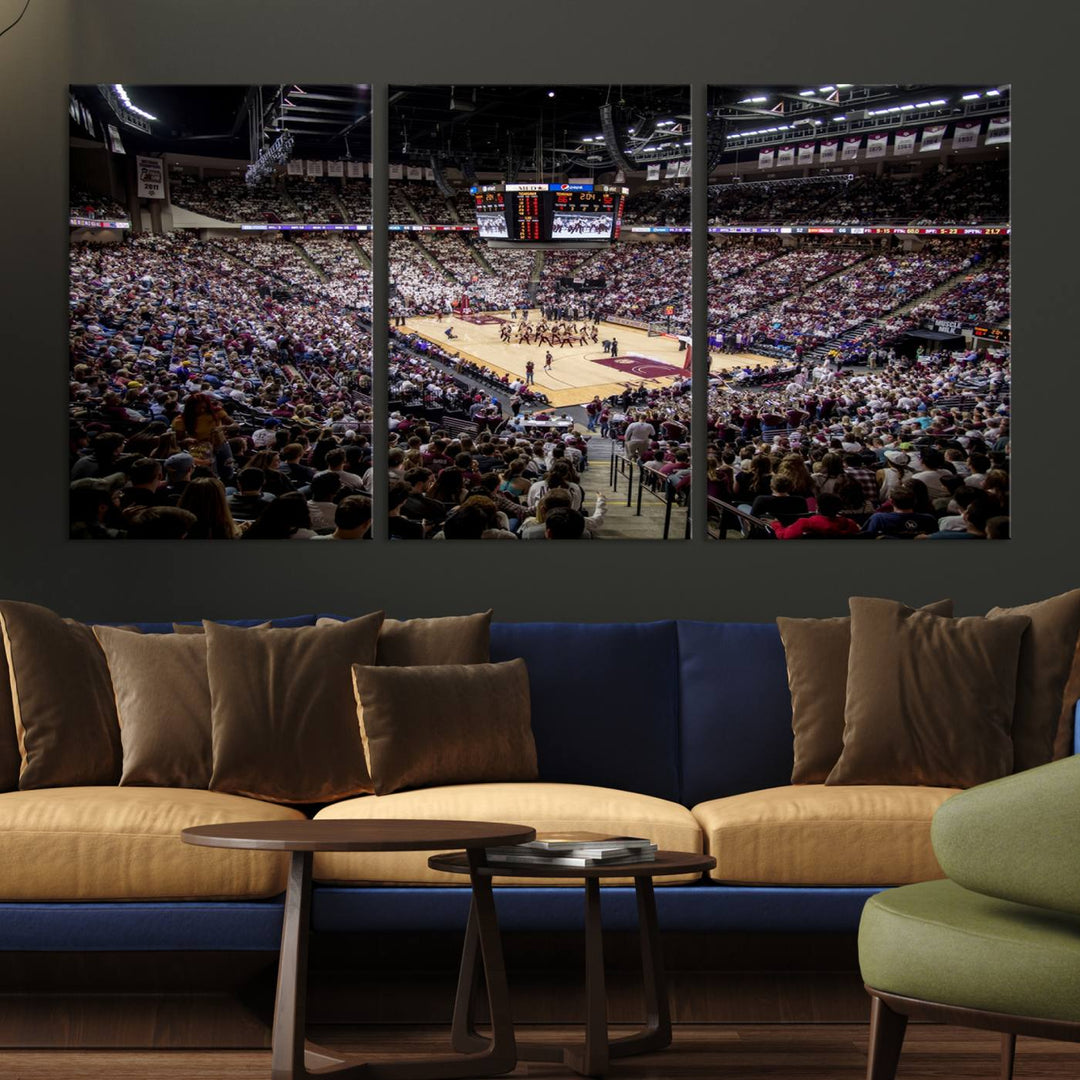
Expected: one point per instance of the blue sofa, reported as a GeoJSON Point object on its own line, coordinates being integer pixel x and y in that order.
{"type": "Point", "coordinates": [681, 711]}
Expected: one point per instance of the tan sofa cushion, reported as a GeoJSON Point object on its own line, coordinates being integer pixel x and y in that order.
{"type": "Point", "coordinates": [546, 807]}
{"type": "Point", "coordinates": [810, 834]}
{"type": "Point", "coordinates": [123, 843]}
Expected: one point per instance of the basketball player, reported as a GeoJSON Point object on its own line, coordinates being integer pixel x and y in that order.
{"type": "Point", "coordinates": [547, 360]}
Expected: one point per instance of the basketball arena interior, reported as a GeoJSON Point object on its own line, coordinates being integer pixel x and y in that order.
{"type": "Point", "coordinates": [540, 316]}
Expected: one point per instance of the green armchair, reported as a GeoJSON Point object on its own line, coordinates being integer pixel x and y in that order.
{"type": "Point", "coordinates": [997, 944]}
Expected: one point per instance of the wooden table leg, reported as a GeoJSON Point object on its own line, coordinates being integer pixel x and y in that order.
{"type": "Point", "coordinates": [292, 1058]}
{"type": "Point", "coordinates": [287, 1060]}
{"type": "Point", "coordinates": [592, 1059]}
{"type": "Point", "coordinates": [464, 1037]}
{"type": "Point", "coordinates": [657, 1031]}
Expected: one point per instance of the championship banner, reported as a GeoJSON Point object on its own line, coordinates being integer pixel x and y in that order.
{"type": "Point", "coordinates": [429, 173]}
{"type": "Point", "coordinates": [314, 168]}
{"type": "Point", "coordinates": [354, 169]}
{"type": "Point", "coordinates": [966, 134]}
{"type": "Point", "coordinates": [295, 168]}
{"type": "Point", "coordinates": [151, 172]}
{"type": "Point", "coordinates": [765, 159]}
{"type": "Point", "coordinates": [335, 168]}
{"type": "Point", "coordinates": [806, 153]}
{"type": "Point", "coordinates": [115, 145]}
{"type": "Point", "coordinates": [684, 169]}
{"type": "Point", "coordinates": [903, 143]}
{"type": "Point", "coordinates": [851, 148]}
{"type": "Point", "coordinates": [931, 137]}
{"type": "Point", "coordinates": [999, 130]}
{"type": "Point", "coordinates": [416, 172]}
{"type": "Point", "coordinates": [785, 155]}
{"type": "Point", "coordinates": [396, 172]}
{"type": "Point", "coordinates": [876, 145]}
{"type": "Point", "coordinates": [652, 172]}
{"type": "Point", "coordinates": [620, 177]}
{"type": "Point", "coordinates": [671, 170]}
{"type": "Point", "coordinates": [828, 150]}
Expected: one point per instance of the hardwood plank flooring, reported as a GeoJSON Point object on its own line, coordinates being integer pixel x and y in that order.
{"type": "Point", "coordinates": [699, 1052]}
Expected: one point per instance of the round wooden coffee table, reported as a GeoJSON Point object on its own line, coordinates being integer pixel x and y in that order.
{"type": "Point", "coordinates": [592, 1058]}
{"type": "Point", "coordinates": [291, 1057]}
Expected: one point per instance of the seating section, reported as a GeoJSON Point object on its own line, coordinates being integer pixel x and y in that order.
{"type": "Point", "coordinates": [940, 942]}
{"type": "Point", "coordinates": [123, 843]}
{"type": "Point", "coordinates": [812, 834]}
{"type": "Point", "coordinates": [547, 807]}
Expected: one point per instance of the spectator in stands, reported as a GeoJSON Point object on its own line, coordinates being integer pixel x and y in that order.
{"type": "Point", "coordinates": [825, 524]}
{"type": "Point", "coordinates": [352, 519]}
{"type": "Point", "coordinates": [977, 514]}
{"type": "Point", "coordinates": [145, 485]}
{"type": "Point", "coordinates": [286, 518]}
{"type": "Point", "coordinates": [902, 522]}
{"type": "Point", "coordinates": [401, 527]}
{"type": "Point", "coordinates": [780, 504]}
{"type": "Point", "coordinates": [250, 500]}
{"type": "Point", "coordinates": [564, 523]}
{"type": "Point", "coordinates": [205, 498]}
{"type": "Point", "coordinates": [637, 437]}
{"type": "Point", "coordinates": [321, 504]}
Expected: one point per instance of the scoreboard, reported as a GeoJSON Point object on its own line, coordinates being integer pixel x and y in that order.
{"type": "Point", "coordinates": [491, 214]}
{"type": "Point", "coordinates": [527, 216]}
{"type": "Point", "coordinates": [539, 213]}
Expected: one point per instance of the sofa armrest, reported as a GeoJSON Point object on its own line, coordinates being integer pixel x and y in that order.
{"type": "Point", "coordinates": [1076, 729]}
{"type": "Point", "coordinates": [1017, 838]}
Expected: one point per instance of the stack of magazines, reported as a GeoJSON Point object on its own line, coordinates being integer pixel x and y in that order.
{"type": "Point", "coordinates": [575, 849]}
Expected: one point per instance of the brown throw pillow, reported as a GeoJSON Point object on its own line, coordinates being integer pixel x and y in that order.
{"type": "Point", "coordinates": [62, 697]}
{"type": "Point", "coordinates": [929, 699]}
{"type": "Point", "coordinates": [447, 724]}
{"type": "Point", "coordinates": [817, 662]}
{"type": "Point", "coordinates": [454, 639]}
{"type": "Point", "coordinates": [9, 739]}
{"type": "Point", "coordinates": [163, 703]}
{"type": "Point", "coordinates": [283, 713]}
{"type": "Point", "coordinates": [1046, 656]}
{"type": "Point", "coordinates": [197, 628]}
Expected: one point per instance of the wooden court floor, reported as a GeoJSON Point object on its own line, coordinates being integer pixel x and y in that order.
{"type": "Point", "coordinates": [699, 1052]}
{"type": "Point", "coordinates": [575, 377]}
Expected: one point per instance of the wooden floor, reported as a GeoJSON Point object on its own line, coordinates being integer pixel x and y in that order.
{"type": "Point", "coordinates": [735, 1052]}
{"type": "Point", "coordinates": [574, 377]}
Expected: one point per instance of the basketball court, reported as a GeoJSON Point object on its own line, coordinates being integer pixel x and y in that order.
{"type": "Point", "coordinates": [577, 374]}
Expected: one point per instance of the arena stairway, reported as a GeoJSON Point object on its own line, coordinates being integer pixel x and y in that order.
{"type": "Point", "coordinates": [297, 213]}
{"type": "Point", "coordinates": [361, 253]}
{"type": "Point", "coordinates": [431, 259]}
{"type": "Point", "coordinates": [411, 208]}
{"type": "Point", "coordinates": [479, 257]}
{"type": "Point", "coordinates": [320, 273]}
{"type": "Point", "coordinates": [455, 217]}
{"type": "Point", "coordinates": [341, 208]}
{"type": "Point", "coordinates": [536, 275]}
{"type": "Point", "coordinates": [622, 522]}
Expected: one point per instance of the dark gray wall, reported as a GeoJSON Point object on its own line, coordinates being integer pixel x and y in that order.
{"type": "Point", "coordinates": [246, 41]}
